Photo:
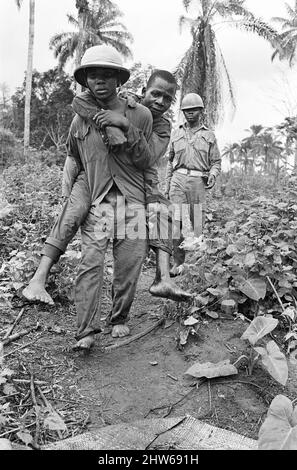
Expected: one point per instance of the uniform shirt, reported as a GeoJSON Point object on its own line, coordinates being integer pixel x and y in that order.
{"type": "Point", "coordinates": [86, 106]}
{"type": "Point", "coordinates": [194, 149]}
{"type": "Point", "coordinates": [103, 167]}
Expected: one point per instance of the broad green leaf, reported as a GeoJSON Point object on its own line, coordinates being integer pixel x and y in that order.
{"type": "Point", "coordinates": [274, 362]}
{"type": "Point", "coordinates": [254, 288]}
{"type": "Point", "coordinates": [54, 422]}
{"type": "Point", "coordinates": [209, 369]}
{"type": "Point", "coordinates": [279, 430]}
{"type": "Point", "coordinates": [258, 328]}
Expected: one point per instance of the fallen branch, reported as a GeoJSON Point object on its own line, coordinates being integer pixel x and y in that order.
{"type": "Point", "coordinates": [277, 296]}
{"type": "Point", "coordinates": [21, 428]}
{"type": "Point", "coordinates": [163, 432]}
{"type": "Point", "coordinates": [21, 347]}
{"type": "Point", "coordinates": [209, 395]}
{"type": "Point", "coordinates": [27, 381]}
{"type": "Point", "coordinates": [19, 335]}
{"type": "Point", "coordinates": [135, 337]}
{"type": "Point", "coordinates": [12, 327]}
{"type": "Point", "coordinates": [37, 429]}
{"type": "Point", "coordinates": [49, 406]}
{"type": "Point", "coordinates": [172, 405]}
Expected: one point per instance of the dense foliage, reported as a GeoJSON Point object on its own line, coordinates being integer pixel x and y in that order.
{"type": "Point", "coordinates": [51, 111]}
{"type": "Point", "coordinates": [248, 259]}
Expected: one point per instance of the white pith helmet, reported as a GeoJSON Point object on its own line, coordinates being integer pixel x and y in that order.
{"type": "Point", "coordinates": [101, 56]}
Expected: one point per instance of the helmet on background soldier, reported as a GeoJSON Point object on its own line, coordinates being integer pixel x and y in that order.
{"type": "Point", "coordinates": [191, 100]}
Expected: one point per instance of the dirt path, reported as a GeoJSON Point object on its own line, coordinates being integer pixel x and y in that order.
{"type": "Point", "coordinates": [128, 383]}
{"type": "Point", "coordinates": [131, 382]}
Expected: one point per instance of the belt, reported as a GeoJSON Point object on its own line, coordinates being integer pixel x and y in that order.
{"type": "Point", "coordinates": [184, 171]}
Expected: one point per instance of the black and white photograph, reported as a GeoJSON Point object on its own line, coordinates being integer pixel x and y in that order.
{"type": "Point", "coordinates": [148, 230]}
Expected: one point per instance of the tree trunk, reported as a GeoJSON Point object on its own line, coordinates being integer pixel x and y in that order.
{"type": "Point", "coordinates": [82, 6]}
{"type": "Point", "coordinates": [79, 50]}
{"type": "Point", "coordinates": [29, 78]}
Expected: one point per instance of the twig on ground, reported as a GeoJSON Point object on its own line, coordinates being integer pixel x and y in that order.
{"type": "Point", "coordinates": [209, 394]}
{"type": "Point", "coordinates": [163, 432]}
{"type": "Point", "coordinates": [17, 429]}
{"type": "Point", "coordinates": [11, 328]}
{"type": "Point", "coordinates": [277, 296]}
{"type": "Point", "coordinates": [172, 405]}
{"type": "Point", "coordinates": [37, 429]}
{"type": "Point", "coordinates": [11, 338]}
{"type": "Point", "coordinates": [49, 406]}
{"type": "Point", "coordinates": [27, 381]}
{"type": "Point", "coordinates": [135, 337]}
{"type": "Point", "coordinates": [172, 377]}
{"type": "Point", "coordinates": [21, 347]}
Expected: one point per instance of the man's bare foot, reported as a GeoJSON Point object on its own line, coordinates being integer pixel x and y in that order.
{"type": "Point", "coordinates": [169, 290]}
{"type": "Point", "coordinates": [36, 291]}
{"type": "Point", "coordinates": [119, 331]}
{"type": "Point", "coordinates": [84, 344]}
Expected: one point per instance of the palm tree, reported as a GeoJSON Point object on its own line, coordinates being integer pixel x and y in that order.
{"type": "Point", "coordinates": [286, 50]}
{"type": "Point", "coordinates": [203, 69]}
{"type": "Point", "coordinates": [289, 129]}
{"type": "Point", "coordinates": [28, 74]}
{"type": "Point", "coordinates": [269, 147]}
{"type": "Point", "coordinates": [229, 151]}
{"type": "Point", "coordinates": [97, 23]}
{"type": "Point", "coordinates": [288, 37]}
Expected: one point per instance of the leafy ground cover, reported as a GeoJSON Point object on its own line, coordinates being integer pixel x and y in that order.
{"type": "Point", "coordinates": [243, 275]}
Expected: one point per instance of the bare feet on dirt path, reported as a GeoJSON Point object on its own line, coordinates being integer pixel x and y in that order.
{"type": "Point", "coordinates": [36, 291]}
{"type": "Point", "coordinates": [119, 331]}
{"type": "Point", "coordinates": [84, 344]}
{"type": "Point", "coordinates": [169, 290]}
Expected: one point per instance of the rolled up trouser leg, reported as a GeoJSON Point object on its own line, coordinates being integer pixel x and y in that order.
{"type": "Point", "coordinates": [74, 212]}
{"type": "Point", "coordinates": [88, 288]}
{"type": "Point", "coordinates": [129, 254]}
{"type": "Point", "coordinates": [159, 219]}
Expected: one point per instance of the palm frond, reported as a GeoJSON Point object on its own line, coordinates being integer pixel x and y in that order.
{"type": "Point", "coordinates": [72, 20]}
{"type": "Point", "coordinates": [259, 27]}
{"type": "Point", "coordinates": [230, 88]}
{"type": "Point", "coordinates": [100, 26]}
{"type": "Point", "coordinates": [290, 11]}
{"type": "Point", "coordinates": [231, 8]}
{"type": "Point", "coordinates": [187, 22]}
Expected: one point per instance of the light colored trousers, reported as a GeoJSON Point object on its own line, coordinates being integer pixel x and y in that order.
{"type": "Point", "coordinates": [186, 192]}
{"type": "Point", "coordinates": [112, 217]}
